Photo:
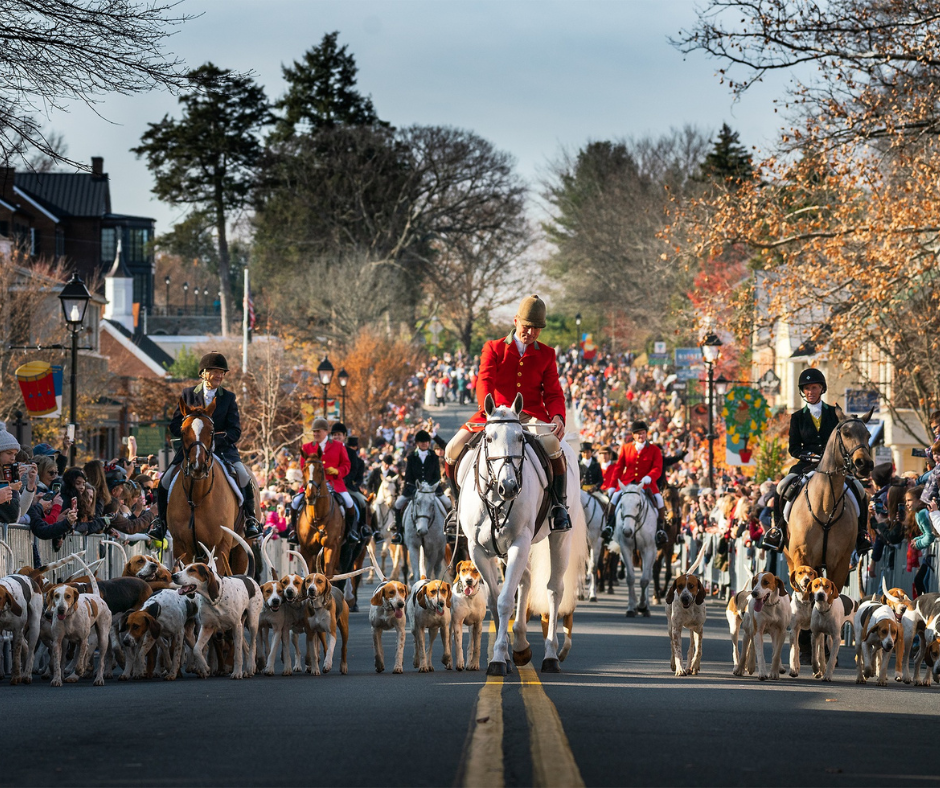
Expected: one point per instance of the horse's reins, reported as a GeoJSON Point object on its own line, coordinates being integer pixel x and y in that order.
{"type": "Point", "coordinates": [187, 473]}
{"type": "Point", "coordinates": [635, 517]}
{"type": "Point", "coordinates": [495, 510]}
{"type": "Point", "coordinates": [846, 470]}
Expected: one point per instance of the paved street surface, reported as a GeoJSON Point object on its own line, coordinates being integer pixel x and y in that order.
{"type": "Point", "coordinates": [614, 717]}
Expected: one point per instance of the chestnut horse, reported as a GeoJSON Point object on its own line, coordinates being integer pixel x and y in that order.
{"type": "Point", "coordinates": [665, 553]}
{"type": "Point", "coordinates": [201, 500]}
{"type": "Point", "coordinates": [320, 526]}
{"type": "Point", "coordinates": [823, 522]}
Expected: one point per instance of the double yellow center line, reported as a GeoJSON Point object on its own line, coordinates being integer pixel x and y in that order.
{"type": "Point", "coordinates": [553, 763]}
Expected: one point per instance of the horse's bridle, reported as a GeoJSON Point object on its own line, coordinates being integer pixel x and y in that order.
{"type": "Point", "coordinates": [321, 526]}
{"type": "Point", "coordinates": [643, 509]}
{"type": "Point", "coordinates": [510, 459]}
{"type": "Point", "coordinates": [187, 450]}
{"type": "Point", "coordinates": [847, 466]}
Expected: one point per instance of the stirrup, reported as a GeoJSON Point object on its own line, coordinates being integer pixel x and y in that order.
{"type": "Point", "coordinates": [252, 527]}
{"type": "Point", "coordinates": [607, 533]}
{"type": "Point", "coordinates": [773, 541]}
{"type": "Point", "coordinates": [450, 524]}
{"type": "Point", "coordinates": [560, 519]}
{"type": "Point", "coordinates": [862, 544]}
{"type": "Point", "coordinates": [661, 538]}
{"type": "Point", "coordinates": [157, 530]}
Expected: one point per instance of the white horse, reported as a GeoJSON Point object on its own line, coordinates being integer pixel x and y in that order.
{"type": "Point", "coordinates": [424, 530]}
{"type": "Point", "coordinates": [636, 529]}
{"type": "Point", "coordinates": [383, 508]}
{"type": "Point", "coordinates": [503, 484]}
{"type": "Point", "coordinates": [594, 517]}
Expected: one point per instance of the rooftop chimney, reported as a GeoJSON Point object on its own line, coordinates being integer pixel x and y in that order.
{"type": "Point", "coordinates": [97, 167]}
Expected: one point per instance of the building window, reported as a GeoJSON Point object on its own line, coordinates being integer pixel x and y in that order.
{"type": "Point", "coordinates": [108, 244]}
{"type": "Point", "coordinates": [33, 241]}
{"type": "Point", "coordinates": [139, 240]}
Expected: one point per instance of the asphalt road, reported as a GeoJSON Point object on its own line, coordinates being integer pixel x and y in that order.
{"type": "Point", "coordinates": [615, 716]}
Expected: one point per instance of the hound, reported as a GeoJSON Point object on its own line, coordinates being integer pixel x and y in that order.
{"type": "Point", "coordinates": [801, 611]}
{"type": "Point", "coordinates": [685, 608]}
{"type": "Point", "coordinates": [275, 617]}
{"type": "Point", "coordinates": [429, 609]}
{"type": "Point", "coordinates": [877, 632]}
{"type": "Point", "coordinates": [467, 606]}
{"type": "Point", "coordinates": [734, 612]}
{"type": "Point", "coordinates": [21, 613]}
{"type": "Point", "coordinates": [150, 570]}
{"type": "Point", "coordinates": [167, 621]}
{"type": "Point", "coordinates": [387, 612]}
{"type": "Point", "coordinates": [75, 616]}
{"type": "Point", "coordinates": [768, 610]}
{"type": "Point", "coordinates": [326, 611]}
{"type": "Point", "coordinates": [926, 616]}
{"type": "Point", "coordinates": [225, 604]}
{"type": "Point", "coordinates": [830, 611]}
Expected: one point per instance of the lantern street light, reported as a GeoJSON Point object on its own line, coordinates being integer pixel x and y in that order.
{"type": "Point", "coordinates": [325, 373]}
{"type": "Point", "coordinates": [577, 338]}
{"type": "Point", "coordinates": [711, 352]}
{"type": "Point", "coordinates": [166, 281]}
{"type": "Point", "coordinates": [74, 298]}
{"type": "Point", "coordinates": [185, 295]}
{"type": "Point", "coordinates": [343, 378]}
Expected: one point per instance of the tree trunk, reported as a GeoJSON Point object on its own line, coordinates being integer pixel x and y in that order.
{"type": "Point", "coordinates": [225, 285]}
{"type": "Point", "coordinates": [466, 333]}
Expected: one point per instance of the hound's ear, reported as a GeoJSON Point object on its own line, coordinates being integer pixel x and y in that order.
{"type": "Point", "coordinates": [184, 408]}
{"type": "Point", "coordinates": [793, 580]}
{"type": "Point", "coordinates": [155, 628]}
{"type": "Point", "coordinates": [329, 587]}
{"type": "Point", "coordinates": [422, 596]}
{"type": "Point", "coordinates": [517, 404]}
{"type": "Point", "coordinates": [672, 593]}
{"type": "Point", "coordinates": [754, 582]}
{"type": "Point", "coordinates": [123, 627]}
{"type": "Point", "coordinates": [781, 587]}
{"type": "Point", "coordinates": [154, 609]}
{"type": "Point", "coordinates": [376, 597]}
{"type": "Point", "coordinates": [867, 416]}
{"type": "Point", "coordinates": [489, 405]}
{"type": "Point", "coordinates": [273, 573]}
{"type": "Point", "coordinates": [700, 594]}
{"type": "Point", "coordinates": [447, 593]}
{"type": "Point", "coordinates": [211, 409]}
{"type": "Point", "coordinates": [213, 585]}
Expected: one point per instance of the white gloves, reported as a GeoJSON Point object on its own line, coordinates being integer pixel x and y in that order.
{"type": "Point", "coordinates": [645, 481]}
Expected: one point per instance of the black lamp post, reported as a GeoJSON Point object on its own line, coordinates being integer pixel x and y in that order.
{"type": "Point", "coordinates": [577, 338]}
{"type": "Point", "coordinates": [325, 373]}
{"type": "Point", "coordinates": [166, 281]}
{"type": "Point", "coordinates": [711, 352]}
{"type": "Point", "coordinates": [185, 295]}
{"type": "Point", "coordinates": [74, 298]}
{"type": "Point", "coordinates": [343, 378]}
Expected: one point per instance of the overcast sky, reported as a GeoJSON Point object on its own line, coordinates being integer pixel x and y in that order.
{"type": "Point", "coordinates": [529, 75]}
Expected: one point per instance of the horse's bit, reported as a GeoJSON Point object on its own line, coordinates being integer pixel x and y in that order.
{"type": "Point", "coordinates": [498, 518]}
{"type": "Point", "coordinates": [187, 451]}
{"type": "Point", "coordinates": [321, 527]}
{"type": "Point", "coordinates": [639, 516]}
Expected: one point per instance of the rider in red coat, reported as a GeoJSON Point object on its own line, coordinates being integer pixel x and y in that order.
{"type": "Point", "coordinates": [639, 463]}
{"type": "Point", "coordinates": [518, 364]}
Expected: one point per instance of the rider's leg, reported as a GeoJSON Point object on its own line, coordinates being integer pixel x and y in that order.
{"type": "Point", "coordinates": [252, 526]}
{"type": "Point", "coordinates": [293, 513]}
{"type": "Point", "coordinates": [158, 526]}
{"type": "Point", "coordinates": [608, 532]}
{"type": "Point", "coordinates": [775, 538]}
{"type": "Point", "coordinates": [863, 540]}
{"type": "Point", "coordinates": [399, 508]}
{"type": "Point", "coordinates": [661, 536]}
{"type": "Point", "coordinates": [560, 521]}
{"type": "Point", "coordinates": [452, 453]}
{"type": "Point", "coordinates": [352, 519]}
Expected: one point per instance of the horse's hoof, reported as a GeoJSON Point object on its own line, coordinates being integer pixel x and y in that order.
{"type": "Point", "coordinates": [354, 607]}
{"type": "Point", "coordinates": [593, 599]}
{"type": "Point", "coordinates": [631, 614]}
{"type": "Point", "coordinates": [497, 669]}
{"type": "Point", "coordinates": [522, 657]}
{"type": "Point", "coordinates": [550, 666]}
{"type": "Point", "coordinates": [645, 612]}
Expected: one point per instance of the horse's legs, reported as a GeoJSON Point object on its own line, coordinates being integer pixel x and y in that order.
{"type": "Point", "coordinates": [560, 547]}
{"type": "Point", "coordinates": [649, 555]}
{"type": "Point", "coordinates": [592, 580]}
{"type": "Point", "coordinates": [521, 650]}
{"type": "Point", "coordinates": [517, 561]}
{"type": "Point", "coordinates": [569, 625]}
{"type": "Point", "coordinates": [626, 548]}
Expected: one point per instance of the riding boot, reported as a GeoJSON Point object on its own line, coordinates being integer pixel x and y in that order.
{"type": "Point", "coordinates": [560, 519]}
{"type": "Point", "coordinates": [292, 529]}
{"type": "Point", "coordinates": [863, 540]}
{"type": "Point", "coordinates": [661, 537]}
{"type": "Point", "coordinates": [157, 530]}
{"type": "Point", "coordinates": [397, 528]}
{"type": "Point", "coordinates": [774, 538]}
{"type": "Point", "coordinates": [252, 526]}
{"type": "Point", "coordinates": [450, 520]}
{"type": "Point", "coordinates": [352, 525]}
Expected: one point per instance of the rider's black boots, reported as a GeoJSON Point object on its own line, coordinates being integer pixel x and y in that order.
{"type": "Point", "coordinates": [252, 526]}
{"type": "Point", "coordinates": [450, 521]}
{"type": "Point", "coordinates": [294, 514]}
{"type": "Point", "coordinates": [397, 528]}
{"type": "Point", "coordinates": [661, 536]}
{"type": "Point", "coordinates": [560, 520]}
{"type": "Point", "coordinates": [774, 538]}
{"type": "Point", "coordinates": [157, 530]}
{"type": "Point", "coordinates": [352, 525]}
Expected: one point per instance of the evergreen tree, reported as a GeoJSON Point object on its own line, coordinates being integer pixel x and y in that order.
{"type": "Point", "coordinates": [728, 159]}
{"type": "Point", "coordinates": [321, 92]}
{"type": "Point", "coordinates": [207, 158]}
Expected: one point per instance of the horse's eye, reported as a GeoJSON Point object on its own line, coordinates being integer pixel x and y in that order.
{"type": "Point", "coordinates": [489, 438]}
{"type": "Point", "coordinates": [521, 439]}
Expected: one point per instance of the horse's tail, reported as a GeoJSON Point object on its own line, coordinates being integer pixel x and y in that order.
{"type": "Point", "coordinates": [246, 547]}
{"type": "Point", "coordinates": [540, 567]}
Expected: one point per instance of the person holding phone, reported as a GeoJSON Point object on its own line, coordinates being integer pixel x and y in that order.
{"type": "Point", "coordinates": [9, 492]}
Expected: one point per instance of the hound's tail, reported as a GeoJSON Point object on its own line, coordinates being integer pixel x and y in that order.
{"type": "Point", "coordinates": [247, 548]}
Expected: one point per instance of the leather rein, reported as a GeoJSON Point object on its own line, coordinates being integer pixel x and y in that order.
{"type": "Point", "coordinates": [644, 508]}
{"type": "Point", "coordinates": [495, 510]}
{"type": "Point", "coordinates": [189, 474]}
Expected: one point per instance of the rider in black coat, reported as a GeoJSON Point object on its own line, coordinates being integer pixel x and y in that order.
{"type": "Point", "coordinates": [422, 465]}
{"type": "Point", "coordinates": [592, 477]}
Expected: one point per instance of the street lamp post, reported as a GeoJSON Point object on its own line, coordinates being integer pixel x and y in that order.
{"type": "Point", "coordinates": [166, 281]}
{"type": "Point", "coordinates": [185, 295]}
{"type": "Point", "coordinates": [577, 338]}
{"type": "Point", "coordinates": [74, 298]}
{"type": "Point", "coordinates": [343, 378]}
{"type": "Point", "coordinates": [325, 373]}
{"type": "Point", "coordinates": [711, 352]}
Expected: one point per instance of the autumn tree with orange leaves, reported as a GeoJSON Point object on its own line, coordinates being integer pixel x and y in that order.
{"type": "Point", "coordinates": [844, 218]}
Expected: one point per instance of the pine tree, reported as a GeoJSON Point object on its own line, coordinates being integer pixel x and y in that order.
{"type": "Point", "coordinates": [729, 159]}
{"type": "Point", "coordinates": [321, 92]}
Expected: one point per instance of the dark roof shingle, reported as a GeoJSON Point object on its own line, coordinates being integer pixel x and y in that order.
{"type": "Point", "coordinates": [67, 193]}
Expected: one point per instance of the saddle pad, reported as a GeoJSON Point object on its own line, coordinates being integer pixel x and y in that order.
{"type": "Point", "coordinates": [849, 499]}
{"type": "Point", "coordinates": [228, 477]}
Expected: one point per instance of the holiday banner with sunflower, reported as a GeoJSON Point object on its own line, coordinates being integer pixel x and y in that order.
{"type": "Point", "coordinates": [746, 414]}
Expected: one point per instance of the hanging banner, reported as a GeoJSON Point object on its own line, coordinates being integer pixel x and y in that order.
{"type": "Point", "coordinates": [41, 385]}
{"type": "Point", "coordinates": [746, 414]}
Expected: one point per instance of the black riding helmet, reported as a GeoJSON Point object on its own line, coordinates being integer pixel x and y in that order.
{"type": "Point", "coordinates": [213, 360]}
{"type": "Point", "coordinates": [340, 428]}
{"type": "Point", "coordinates": [812, 375]}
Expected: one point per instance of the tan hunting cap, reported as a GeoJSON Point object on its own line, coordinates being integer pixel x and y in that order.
{"type": "Point", "coordinates": [320, 424]}
{"type": "Point", "coordinates": [531, 312]}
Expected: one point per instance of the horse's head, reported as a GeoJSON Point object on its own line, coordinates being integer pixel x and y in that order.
{"type": "Point", "coordinates": [423, 507]}
{"type": "Point", "coordinates": [631, 508]}
{"type": "Point", "coordinates": [852, 441]}
{"type": "Point", "coordinates": [314, 477]}
{"type": "Point", "coordinates": [196, 433]}
{"type": "Point", "coordinates": [503, 447]}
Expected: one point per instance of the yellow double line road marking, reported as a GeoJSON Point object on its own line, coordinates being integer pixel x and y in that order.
{"type": "Point", "coordinates": [553, 762]}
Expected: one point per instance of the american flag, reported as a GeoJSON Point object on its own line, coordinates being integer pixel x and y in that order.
{"type": "Point", "coordinates": [251, 310]}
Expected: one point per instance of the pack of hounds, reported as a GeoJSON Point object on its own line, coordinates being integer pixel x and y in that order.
{"type": "Point", "coordinates": [885, 624]}
{"type": "Point", "coordinates": [152, 622]}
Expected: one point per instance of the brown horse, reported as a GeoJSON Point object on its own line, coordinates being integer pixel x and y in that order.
{"type": "Point", "coordinates": [664, 555]}
{"type": "Point", "coordinates": [823, 524]}
{"type": "Point", "coordinates": [320, 526]}
{"type": "Point", "coordinates": [201, 500]}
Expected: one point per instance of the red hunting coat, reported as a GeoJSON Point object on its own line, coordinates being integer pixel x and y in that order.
{"type": "Point", "coordinates": [631, 466]}
{"type": "Point", "coordinates": [504, 373]}
{"type": "Point", "coordinates": [334, 456]}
